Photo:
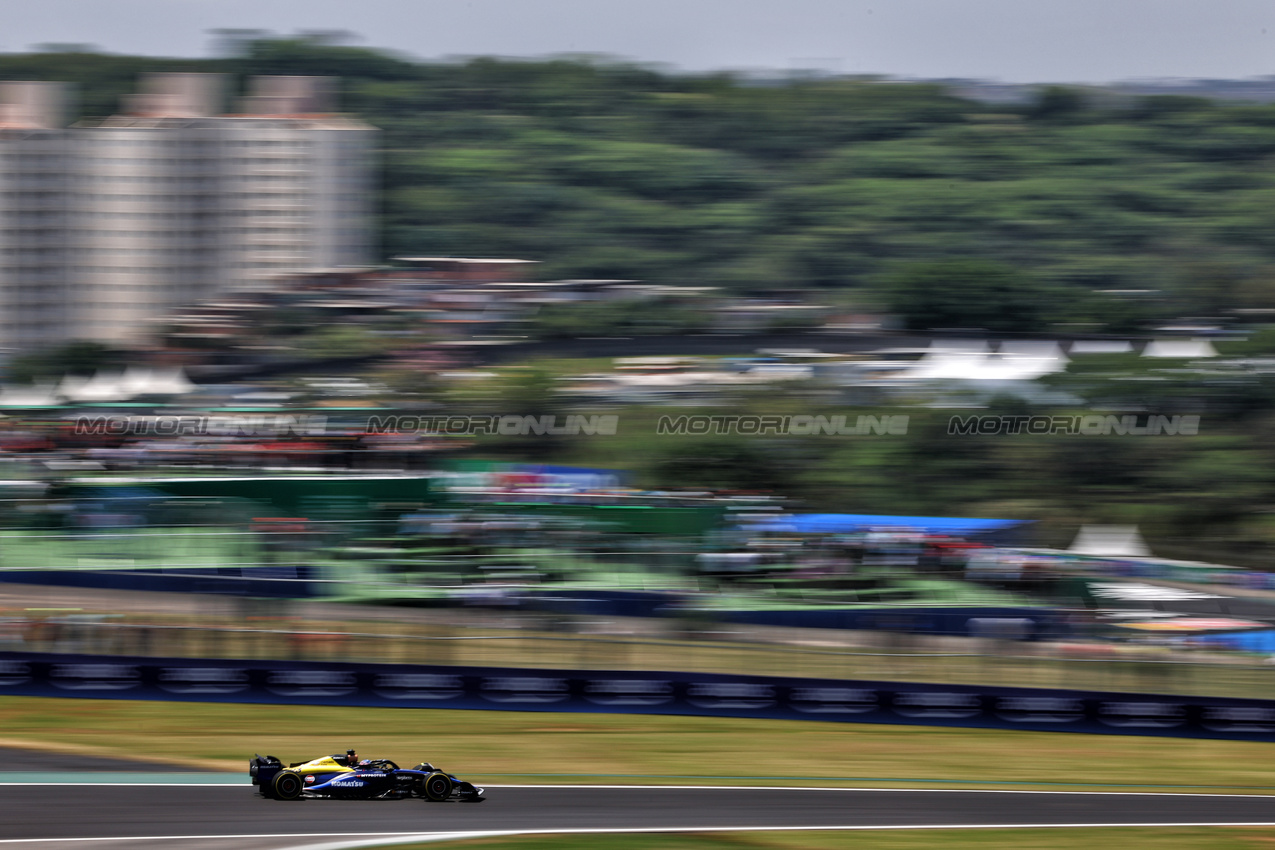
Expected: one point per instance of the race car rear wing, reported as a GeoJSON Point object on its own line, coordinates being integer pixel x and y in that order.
{"type": "Point", "coordinates": [263, 769]}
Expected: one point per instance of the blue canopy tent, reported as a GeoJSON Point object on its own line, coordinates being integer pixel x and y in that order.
{"type": "Point", "coordinates": [1262, 641]}
{"type": "Point", "coordinates": [853, 523]}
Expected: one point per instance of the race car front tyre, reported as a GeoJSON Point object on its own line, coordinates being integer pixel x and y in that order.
{"type": "Point", "coordinates": [288, 786]}
{"type": "Point", "coordinates": [438, 787]}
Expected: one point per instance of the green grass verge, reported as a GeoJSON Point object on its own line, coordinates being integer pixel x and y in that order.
{"type": "Point", "coordinates": [1221, 838]}
{"type": "Point", "coordinates": [513, 747]}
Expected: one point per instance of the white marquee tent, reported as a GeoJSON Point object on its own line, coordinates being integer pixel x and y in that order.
{"type": "Point", "coordinates": [1110, 541]}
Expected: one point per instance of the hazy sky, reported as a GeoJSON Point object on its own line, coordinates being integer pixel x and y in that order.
{"type": "Point", "coordinates": [1010, 40]}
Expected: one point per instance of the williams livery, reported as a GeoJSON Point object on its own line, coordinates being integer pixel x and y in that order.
{"type": "Point", "coordinates": [344, 778]}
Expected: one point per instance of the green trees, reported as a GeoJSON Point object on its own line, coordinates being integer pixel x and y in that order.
{"type": "Point", "coordinates": [616, 318]}
{"type": "Point", "coordinates": [967, 294]}
{"type": "Point", "coordinates": [74, 358]}
{"type": "Point", "coordinates": [600, 169]}
{"type": "Point", "coordinates": [723, 463]}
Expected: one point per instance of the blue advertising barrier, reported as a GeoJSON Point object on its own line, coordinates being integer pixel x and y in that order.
{"type": "Point", "coordinates": [276, 582]}
{"type": "Point", "coordinates": [1035, 623]}
{"type": "Point", "coordinates": [626, 692]}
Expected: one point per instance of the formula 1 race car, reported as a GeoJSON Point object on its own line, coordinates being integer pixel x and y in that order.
{"type": "Point", "coordinates": [379, 779]}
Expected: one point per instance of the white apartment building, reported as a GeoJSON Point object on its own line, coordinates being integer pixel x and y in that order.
{"type": "Point", "coordinates": [106, 226]}
{"type": "Point", "coordinates": [36, 301]}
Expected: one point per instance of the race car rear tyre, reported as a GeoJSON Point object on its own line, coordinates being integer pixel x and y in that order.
{"type": "Point", "coordinates": [438, 787]}
{"type": "Point", "coordinates": [288, 786]}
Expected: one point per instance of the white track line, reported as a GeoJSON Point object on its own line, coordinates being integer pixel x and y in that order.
{"type": "Point", "coordinates": [386, 838]}
{"type": "Point", "coordinates": [90, 784]}
{"type": "Point", "coordinates": [885, 790]}
{"type": "Point", "coordinates": [430, 837]}
{"type": "Point", "coordinates": [1113, 793]}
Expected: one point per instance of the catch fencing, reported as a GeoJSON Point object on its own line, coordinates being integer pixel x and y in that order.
{"type": "Point", "coordinates": [897, 658]}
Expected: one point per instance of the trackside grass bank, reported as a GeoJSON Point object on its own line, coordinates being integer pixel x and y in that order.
{"type": "Point", "coordinates": [497, 747]}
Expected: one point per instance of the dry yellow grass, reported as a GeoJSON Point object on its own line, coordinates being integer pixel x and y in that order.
{"type": "Point", "coordinates": [515, 745]}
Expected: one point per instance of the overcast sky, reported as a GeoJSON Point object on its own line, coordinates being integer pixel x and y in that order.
{"type": "Point", "coordinates": [1009, 40]}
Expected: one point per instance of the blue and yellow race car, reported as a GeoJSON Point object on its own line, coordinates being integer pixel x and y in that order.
{"type": "Point", "coordinates": [342, 777]}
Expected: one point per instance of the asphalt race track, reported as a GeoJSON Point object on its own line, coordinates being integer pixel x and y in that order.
{"type": "Point", "coordinates": [223, 816]}
{"type": "Point", "coordinates": [167, 813]}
